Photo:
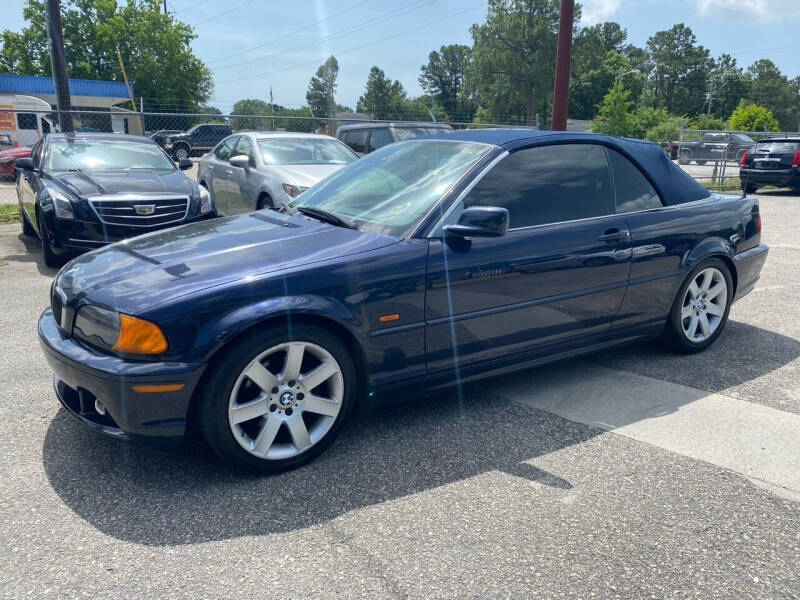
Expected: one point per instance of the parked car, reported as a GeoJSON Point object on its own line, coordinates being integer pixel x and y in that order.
{"type": "Point", "coordinates": [160, 136]}
{"type": "Point", "coordinates": [364, 138]}
{"type": "Point", "coordinates": [774, 161]}
{"type": "Point", "coordinates": [8, 158]}
{"type": "Point", "coordinates": [712, 146]}
{"type": "Point", "coordinates": [81, 191]}
{"type": "Point", "coordinates": [428, 263]}
{"type": "Point", "coordinates": [197, 140]}
{"type": "Point", "coordinates": [250, 171]}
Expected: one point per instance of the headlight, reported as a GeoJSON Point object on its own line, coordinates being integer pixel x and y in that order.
{"type": "Point", "coordinates": [293, 190]}
{"type": "Point", "coordinates": [206, 204]}
{"type": "Point", "coordinates": [61, 204]}
{"type": "Point", "coordinates": [111, 330]}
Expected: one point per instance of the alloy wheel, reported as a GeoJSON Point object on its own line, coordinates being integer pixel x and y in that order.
{"type": "Point", "coordinates": [181, 152]}
{"type": "Point", "coordinates": [704, 305]}
{"type": "Point", "coordinates": [286, 400]}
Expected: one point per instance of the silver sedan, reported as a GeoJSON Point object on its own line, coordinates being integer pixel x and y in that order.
{"type": "Point", "coordinates": [250, 171]}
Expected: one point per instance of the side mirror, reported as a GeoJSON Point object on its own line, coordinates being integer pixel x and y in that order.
{"type": "Point", "coordinates": [184, 164]}
{"type": "Point", "coordinates": [480, 221]}
{"type": "Point", "coordinates": [24, 164]}
{"type": "Point", "coordinates": [241, 161]}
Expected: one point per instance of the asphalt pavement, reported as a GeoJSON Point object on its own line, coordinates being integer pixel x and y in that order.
{"type": "Point", "coordinates": [631, 473]}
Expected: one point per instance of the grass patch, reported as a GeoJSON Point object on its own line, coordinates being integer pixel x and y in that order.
{"type": "Point", "coordinates": [9, 213]}
{"type": "Point", "coordinates": [729, 183]}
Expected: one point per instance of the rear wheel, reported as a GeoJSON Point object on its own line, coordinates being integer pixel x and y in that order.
{"type": "Point", "coordinates": [181, 151]}
{"type": "Point", "coordinates": [685, 157]}
{"type": "Point", "coordinates": [749, 188]}
{"type": "Point", "coordinates": [700, 162]}
{"type": "Point", "coordinates": [264, 201]}
{"type": "Point", "coordinates": [274, 402]}
{"type": "Point", "coordinates": [51, 259]}
{"type": "Point", "coordinates": [701, 308]}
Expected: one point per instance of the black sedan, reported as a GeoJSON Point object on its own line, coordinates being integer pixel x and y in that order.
{"type": "Point", "coordinates": [427, 263]}
{"type": "Point", "coordinates": [81, 191]}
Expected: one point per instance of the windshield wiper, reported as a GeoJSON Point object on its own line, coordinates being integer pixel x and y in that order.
{"type": "Point", "coordinates": [324, 215]}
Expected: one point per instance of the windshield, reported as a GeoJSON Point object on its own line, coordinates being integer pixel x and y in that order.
{"type": "Point", "coordinates": [778, 147]}
{"type": "Point", "coordinates": [304, 151]}
{"type": "Point", "coordinates": [389, 191]}
{"type": "Point", "coordinates": [404, 133]}
{"type": "Point", "coordinates": [65, 155]}
{"type": "Point", "coordinates": [740, 137]}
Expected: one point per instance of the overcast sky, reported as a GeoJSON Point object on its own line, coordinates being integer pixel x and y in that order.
{"type": "Point", "coordinates": [252, 44]}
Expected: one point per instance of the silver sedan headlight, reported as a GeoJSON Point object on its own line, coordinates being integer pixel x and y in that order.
{"type": "Point", "coordinates": [206, 203]}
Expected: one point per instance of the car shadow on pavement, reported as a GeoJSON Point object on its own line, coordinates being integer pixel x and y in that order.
{"type": "Point", "coordinates": [155, 498]}
{"type": "Point", "coordinates": [32, 253]}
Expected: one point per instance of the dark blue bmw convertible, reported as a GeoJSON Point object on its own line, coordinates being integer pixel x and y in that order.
{"type": "Point", "coordinates": [431, 261]}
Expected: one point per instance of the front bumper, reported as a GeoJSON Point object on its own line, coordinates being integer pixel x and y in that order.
{"type": "Point", "coordinates": [83, 376]}
{"type": "Point", "coordinates": [778, 177]}
{"type": "Point", "coordinates": [748, 269]}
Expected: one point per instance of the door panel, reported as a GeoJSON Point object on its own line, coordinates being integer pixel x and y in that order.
{"type": "Point", "coordinates": [241, 180]}
{"type": "Point", "coordinates": [220, 176]}
{"type": "Point", "coordinates": [495, 296]}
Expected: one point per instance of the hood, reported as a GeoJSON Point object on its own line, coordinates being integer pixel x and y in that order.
{"type": "Point", "coordinates": [16, 152]}
{"type": "Point", "coordinates": [95, 183]}
{"type": "Point", "coordinates": [141, 272]}
{"type": "Point", "coordinates": [304, 175]}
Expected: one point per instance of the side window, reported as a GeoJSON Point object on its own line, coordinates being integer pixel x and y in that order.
{"type": "Point", "coordinates": [27, 121]}
{"type": "Point", "coordinates": [632, 189]}
{"type": "Point", "coordinates": [356, 139]}
{"type": "Point", "coordinates": [45, 126]}
{"type": "Point", "coordinates": [36, 154]}
{"type": "Point", "coordinates": [548, 184]}
{"type": "Point", "coordinates": [224, 150]}
{"type": "Point", "coordinates": [379, 138]}
{"type": "Point", "coordinates": [245, 146]}
{"type": "Point", "coordinates": [201, 131]}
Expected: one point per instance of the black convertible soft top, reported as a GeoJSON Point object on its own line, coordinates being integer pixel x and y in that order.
{"type": "Point", "coordinates": [673, 184]}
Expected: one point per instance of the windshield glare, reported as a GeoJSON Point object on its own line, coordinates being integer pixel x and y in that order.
{"type": "Point", "coordinates": [404, 133]}
{"type": "Point", "coordinates": [389, 191]}
{"type": "Point", "coordinates": [304, 151]}
{"type": "Point", "coordinates": [65, 155]}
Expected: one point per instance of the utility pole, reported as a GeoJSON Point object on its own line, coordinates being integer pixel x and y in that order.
{"type": "Point", "coordinates": [563, 59]}
{"type": "Point", "coordinates": [58, 65]}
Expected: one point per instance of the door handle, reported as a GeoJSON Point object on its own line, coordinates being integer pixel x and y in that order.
{"type": "Point", "coordinates": [229, 172]}
{"type": "Point", "coordinates": [614, 235]}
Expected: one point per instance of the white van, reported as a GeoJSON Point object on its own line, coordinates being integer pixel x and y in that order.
{"type": "Point", "coordinates": [24, 128]}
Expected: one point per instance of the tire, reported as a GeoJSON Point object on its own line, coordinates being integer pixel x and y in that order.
{"type": "Point", "coordinates": [700, 162]}
{"type": "Point", "coordinates": [264, 201]}
{"type": "Point", "coordinates": [749, 188]}
{"type": "Point", "coordinates": [685, 157]}
{"type": "Point", "coordinates": [296, 428]}
{"type": "Point", "coordinates": [181, 151]}
{"type": "Point", "coordinates": [27, 228]}
{"type": "Point", "coordinates": [684, 331]}
{"type": "Point", "coordinates": [51, 259]}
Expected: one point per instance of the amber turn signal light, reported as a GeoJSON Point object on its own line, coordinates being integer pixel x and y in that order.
{"type": "Point", "coordinates": [138, 336]}
{"type": "Point", "coordinates": [155, 388]}
{"type": "Point", "coordinates": [387, 318]}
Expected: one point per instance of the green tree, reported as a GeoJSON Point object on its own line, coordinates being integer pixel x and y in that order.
{"type": "Point", "coordinates": [646, 118]}
{"type": "Point", "coordinates": [680, 70]}
{"type": "Point", "coordinates": [250, 106]}
{"type": "Point", "coordinates": [703, 121]}
{"type": "Point", "coordinates": [614, 116]}
{"type": "Point", "coordinates": [443, 78]}
{"type": "Point", "coordinates": [729, 84]}
{"type": "Point", "coordinates": [382, 98]}
{"type": "Point", "coordinates": [322, 87]}
{"type": "Point", "coordinates": [514, 59]}
{"type": "Point", "coordinates": [155, 48]}
{"type": "Point", "coordinates": [772, 89]}
{"type": "Point", "coordinates": [752, 117]}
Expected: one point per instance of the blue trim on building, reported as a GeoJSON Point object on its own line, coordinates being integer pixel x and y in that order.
{"type": "Point", "coordinates": [32, 84]}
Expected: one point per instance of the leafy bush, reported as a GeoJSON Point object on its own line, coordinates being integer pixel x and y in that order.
{"type": "Point", "coordinates": [752, 117]}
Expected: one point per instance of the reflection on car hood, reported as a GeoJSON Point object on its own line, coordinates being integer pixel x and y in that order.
{"type": "Point", "coordinates": [304, 175]}
{"type": "Point", "coordinates": [141, 272]}
{"type": "Point", "coordinates": [92, 183]}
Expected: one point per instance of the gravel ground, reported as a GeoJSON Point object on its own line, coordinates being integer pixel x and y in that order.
{"type": "Point", "coordinates": [448, 497]}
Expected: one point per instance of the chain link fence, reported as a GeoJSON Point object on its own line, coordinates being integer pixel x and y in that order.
{"type": "Point", "coordinates": [713, 156]}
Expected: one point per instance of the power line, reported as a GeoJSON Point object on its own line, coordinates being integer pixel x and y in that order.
{"type": "Point", "coordinates": [245, 3]}
{"type": "Point", "coordinates": [364, 24]}
{"type": "Point", "coordinates": [295, 32]}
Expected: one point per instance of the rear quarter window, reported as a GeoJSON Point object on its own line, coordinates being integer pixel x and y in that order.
{"type": "Point", "coordinates": [778, 147]}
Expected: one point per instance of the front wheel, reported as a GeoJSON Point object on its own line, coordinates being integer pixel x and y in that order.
{"type": "Point", "coordinates": [27, 228]}
{"type": "Point", "coordinates": [701, 308]}
{"type": "Point", "coordinates": [51, 259]}
{"type": "Point", "coordinates": [274, 401]}
{"type": "Point", "coordinates": [685, 157]}
{"type": "Point", "coordinates": [181, 151]}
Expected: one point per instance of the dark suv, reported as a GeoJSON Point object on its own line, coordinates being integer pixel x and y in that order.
{"type": "Point", "coordinates": [774, 161]}
{"type": "Point", "coordinates": [364, 138]}
{"type": "Point", "coordinates": [198, 140]}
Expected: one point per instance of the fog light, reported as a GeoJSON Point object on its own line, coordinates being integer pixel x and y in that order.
{"type": "Point", "coordinates": [99, 407]}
